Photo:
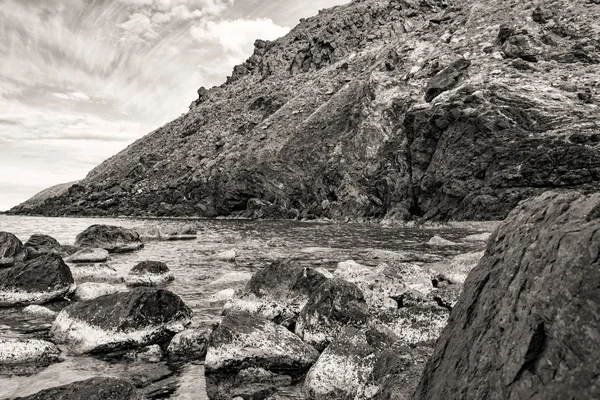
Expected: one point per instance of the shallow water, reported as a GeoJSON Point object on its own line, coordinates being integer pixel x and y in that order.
{"type": "Point", "coordinates": [196, 270]}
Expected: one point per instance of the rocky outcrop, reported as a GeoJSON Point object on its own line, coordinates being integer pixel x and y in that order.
{"type": "Point", "coordinates": [36, 281]}
{"type": "Point", "coordinates": [334, 305]}
{"type": "Point", "coordinates": [90, 389]}
{"type": "Point", "coordinates": [11, 249]}
{"type": "Point", "coordinates": [121, 321]}
{"type": "Point", "coordinates": [523, 325]}
{"type": "Point", "coordinates": [251, 357]}
{"type": "Point", "coordinates": [114, 239]}
{"type": "Point", "coordinates": [149, 273]}
{"type": "Point", "coordinates": [426, 110]}
{"type": "Point", "coordinates": [278, 292]}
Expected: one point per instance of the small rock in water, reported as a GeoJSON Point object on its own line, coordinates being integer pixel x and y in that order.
{"type": "Point", "coordinates": [102, 388]}
{"type": "Point", "coordinates": [39, 311]}
{"type": "Point", "coordinates": [248, 356]}
{"type": "Point", "coordinates": [36, 281]}
{"type": "Point", "coordinates": [440, 241]}
{"type": "Point", "coordinates": [115, 239]}
{"type": "Point", "coordinates": [151, 354]}
{"type": "Point", "coordinates": [91, 290]}
{"type": "Point", "coordinates": [121, 321]}
{"type": "Point", "coordinates": [188, 232]}
{"type": "Point", "coordinates": [149, 273]}
{"type": "Point", "coordinates": [11, 249]}
{"type": "Point", "coordinates": [89, 255]}
{"type": "Point", "coordinates": [335, 304]}
{"type": "Point", "coordinates": [228, 255]}
{"type": "Point", "coordinates": [480, 237]}
{"type": "Point", "coordinates": [189, 345]}
{"type": "Point", "coordinates": [232, 278]}
{"type": "Point", "coordinates": [223, 295]}
{"type": "Point", "coordinates": [101, 273]}
{"type": "Point", "coordinates": [27, 351]}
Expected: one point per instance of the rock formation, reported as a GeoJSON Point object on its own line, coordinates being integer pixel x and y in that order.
{"type": "Point", "coordinates": [114, 239]}
{"type": "Point", "coordinates": [527, 323]}
{"type": "Point", "coordinates": [396, 109]}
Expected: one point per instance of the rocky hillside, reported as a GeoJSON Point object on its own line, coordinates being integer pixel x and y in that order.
{"type": "Point", "coordinates": [39, 199]}
{"type": "Point", "coordinates": [395, 109]}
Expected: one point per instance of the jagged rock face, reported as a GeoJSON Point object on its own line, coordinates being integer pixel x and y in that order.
{"type": "Point", "coordinates": [333, 120]}
{"type": "Point", "coordinates": [526, 324]}
{"type": "Point", "coordinates": [91, 389]}
{"type": "Point", "coordinates": [114, 239]}
{"type": "Point", "coordinates": [120, 321]}
{"type": "Point", "coordinates": [36, 281]}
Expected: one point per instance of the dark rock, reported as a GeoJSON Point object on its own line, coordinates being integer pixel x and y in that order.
{"type": "Point", "coordinates": [522, 46]}
{"type": "Point", "coordinates": [278, 292]}
{"type": "Point", "coordinates": [447, 79]}
{"type": "Point", "coordinates": [189, 345]}
{"type": "Point", "coordinates": [505, 32]}
{"type": "Point", "coordinates": [334, 305]}
{"type": "Point", "coordinates": [90, 389]}
{"type": "Point", "coordinates": [586, 95]}
{"type": "Point", "coordinates": [251, 356]}
{"type": "Point", "coordinates": [36, 281]}
{"type": "Point", "coordinates": [121, 321]}
{"type": "Point", "coordinates": [42, 243]}
{"type": "Point", "coordinates": [522, 327]}
{"type": "Point", "coordinates": [112, 238]}
{"type": "Point", "coordinates": [10, 248]}
{"type": "Point", "coordinates": [149, 273]}
{"type": "Point", "coordinates": [541, 15]}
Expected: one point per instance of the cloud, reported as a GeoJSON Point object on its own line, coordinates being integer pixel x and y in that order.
{"type": "Point", "coordinates": [237, 37]}
{"type": "Point", "coordinates": [72, 96]}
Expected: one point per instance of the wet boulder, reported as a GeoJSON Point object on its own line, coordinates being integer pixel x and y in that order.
{"type": "Point", "coordinates": [527, 323]}
{"type": "Point", "coordinates": [43, 243]}
{"type": "Point", "coordinates": [11, 249]}
{"type": "Point", "coordinates": [91, 290]}
{"type": "Point", "coordinates": [121, 321]}
{"type": "Point", "coordinates": [88, 255]}
{"type": "Point", "coordinates": [36, 281]}
{"type": "Point", "coordinates": [334, 305]}
{"type": "Point", "coordinates": [447, 79]}
{"type": "Point", "coordinates": [149, 273]}
{"type": "Point", "coordinates": [100, 273]}
{"type": "Point", "coordinates": [16, 352]}
{"type": "Point", "coordinates": [188, 345]}
{"type": "Point", "coordinates": [115, 239]}
{"type": "Point", "coordinates": [39, 311]}
{"type": "Point", "coordinates": [250, 356]}
{"type": "Point", "coordinates": [278, 292]}
{"type": "Point", "coordinates": [102, 388]}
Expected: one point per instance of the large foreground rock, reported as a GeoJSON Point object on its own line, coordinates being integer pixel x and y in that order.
{"type": "Point", "coordinates": [278, 292]}
{"type": "Point", "coordinates": [10, 248]}
{"type": "Point", "coordinates": [115, 239]}
{"type": "Point", "coordinates": [121, 321]}
{"type": "Point", "coordinates": [36, 281]}
{"type": "Point", "coordinates": [90, 389]}
{"type": "Point", "coordinates": [249, 356]}
{"type": "Point", "coordinates": [527, 323]}
{"type": "Point", "coordinates": [42, 243]}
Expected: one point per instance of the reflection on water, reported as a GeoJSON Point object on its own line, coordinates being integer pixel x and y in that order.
{"type": "Point", "coordinates": [194, 267]}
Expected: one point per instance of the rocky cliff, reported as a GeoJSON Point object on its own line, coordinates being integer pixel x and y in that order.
{"type": "Point", "coordinates": [396, 109]}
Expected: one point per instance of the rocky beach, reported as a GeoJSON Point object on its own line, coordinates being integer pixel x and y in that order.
{"type": "Point", "coordinates": [397, 199]}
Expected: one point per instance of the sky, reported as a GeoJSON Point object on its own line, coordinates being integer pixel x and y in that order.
{"type": "Point", "coordinates": [82, 79]}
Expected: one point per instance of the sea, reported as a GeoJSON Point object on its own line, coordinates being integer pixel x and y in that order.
{"type": "Point", "coordinates": [199, 277]}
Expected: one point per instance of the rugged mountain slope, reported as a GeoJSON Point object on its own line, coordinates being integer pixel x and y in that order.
{"type": "Point", "coordinates": [41, 197]}
{"type": "Point", "coordinates": [393, 109]}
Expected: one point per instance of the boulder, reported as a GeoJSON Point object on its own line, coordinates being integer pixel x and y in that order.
{"type": "Point", "coordinates": [228, 256]}
{"type": "Point", "coordinates": [447, 79]}
{"type": "Point", "coordinates": [115, 239]}
{"type": "Point", "coordinates": [15, 352]}
{"type": "Point", "coordinates": [121, 321]}
{"type": "Point", "coordinates": [334, 305]}
{"type": "Point", "coordinates": [89, 255]}
{"type": "Point", "coordinates": [41, 279]}
{"type": "Point", "coordinates": [278, 292]}
{"type": "Point", "coordinates": [42, 243]}
{"type": "Point", "coordinates": [381, 286]}
{"type": "Point", "coordinates": [91, 290]}
{"type": "Point", "coordinates": [149, 273]}
{"type": "Point", "coordinates": [252, 356]}
{"type": "Point", "coordinates": [527, 323]}
{"type": "Point", "coordinates": [11, 249]}
{"type": "Point", "coordinates": [101, 273]}
{"type": "Point", "coordinates": [189, 345]}
{"type": "Point", "coordinates": [148, 354]}
{"type": "Point", "coordinates": [39, 311]}
{"type": "Point", "coordinates": [91, 389]}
